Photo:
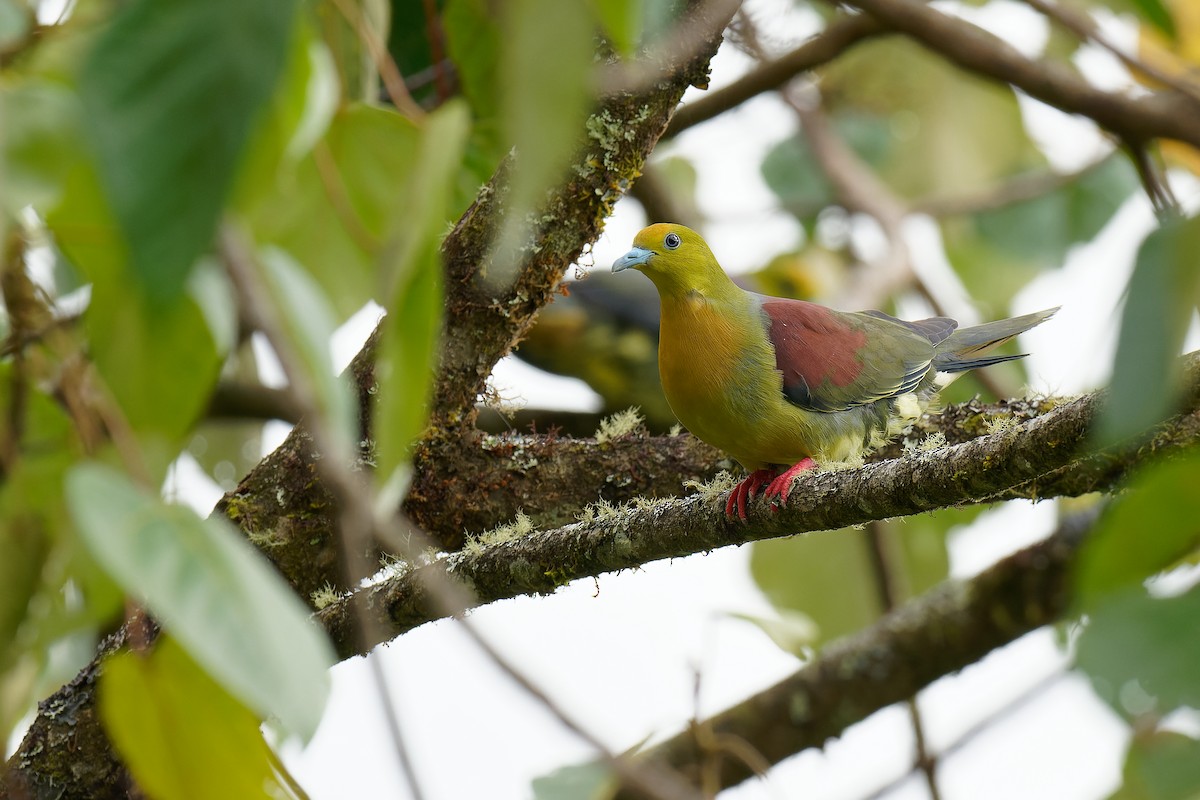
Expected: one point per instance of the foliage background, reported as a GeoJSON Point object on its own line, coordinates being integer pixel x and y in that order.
{"type": "Point", "coordinates": [273, 182]}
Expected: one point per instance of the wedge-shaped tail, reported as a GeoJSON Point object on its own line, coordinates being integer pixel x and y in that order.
{"type": "Point", "coordinates": [963, 349]}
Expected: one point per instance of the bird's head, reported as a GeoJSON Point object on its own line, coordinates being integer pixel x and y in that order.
{"type": "Point", "coordinates": [677, 259]}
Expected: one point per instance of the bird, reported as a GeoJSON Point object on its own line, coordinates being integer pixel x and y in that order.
{"type": "Point", "coordinates": [778, 383]}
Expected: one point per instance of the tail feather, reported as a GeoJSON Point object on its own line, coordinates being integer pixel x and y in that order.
{"type": "Point", "coordinates": [958, 352]}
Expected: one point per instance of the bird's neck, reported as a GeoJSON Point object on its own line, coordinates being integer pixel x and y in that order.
{"type": "Point", "coordinates": [710, 284]}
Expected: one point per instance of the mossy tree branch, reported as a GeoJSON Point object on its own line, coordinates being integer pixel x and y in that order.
{"type": "Point", "coordinates": [1038, 453]}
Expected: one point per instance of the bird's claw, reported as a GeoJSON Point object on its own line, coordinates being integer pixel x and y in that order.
{"type": "Point", "coordinates": [745, 491]}
{"type": "Point", "coordinates": [778, 490]}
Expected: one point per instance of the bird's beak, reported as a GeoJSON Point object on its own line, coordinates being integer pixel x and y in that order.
{"type": "Point", "coordinates": [634, 258]}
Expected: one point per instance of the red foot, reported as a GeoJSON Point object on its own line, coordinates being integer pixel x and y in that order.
{"type": "Point", "coordinates": [782, 485]}
{"type": "Point", "coordinates": [745, 491]}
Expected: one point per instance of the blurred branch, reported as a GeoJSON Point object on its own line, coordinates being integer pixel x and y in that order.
{"type": "Point", "coordinates": [944, 630]}
{"type": "Point", "coordinates": [613, 539]}
{"type": "Point", "coordinates": [232, 400]}
{"type": "Point", "coordinates": [838, 37]}
{"type": "Point", "coordinates": [1082, 25]}
{"type": "Point", "coordinates": [1167, 114]}
{"type": "Point", "coordinates": [658, 201]}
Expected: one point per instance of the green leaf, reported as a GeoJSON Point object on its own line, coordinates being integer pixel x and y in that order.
{"type": "Point", "coordinates": [825, 576]}
{"type": "Point", "coordinates": [1162, 295]}
{"type": "Point", "coordinates": [1162, 765]}
{"type": "Point", "coordinates": [217, 595]}
{"type": "Point", "coordinates": [15, 22]}
{"type": "Point", "coordinates": [792, 171]}
{"type": "Point", "coordinates": [949, 131]}
{"type": "Point", "coordinates": [997, 252]}
{"type": "Point", "coordinates": [622, 22]}
{"type": "Point", "coordinates": [295, 118]}
{"type": "Point", "coordinates": [171, 94]}
{"type": "Point", "coordinates": [591, 781]}
{"type": "Point", "coordinates": [355, 183]}
{"type": "Point", "coordinates": [473, 37]}
{"type": "Point", "coordinates": [1130, 637]}
{"type": "Point", "coordinates": [39, 143]}
{"type": "Point", "coordinates": [404, 370]}
{"type": "Point", "coordinates": [544, 71]}
{"type": "Point", "coordinates": [339, 24]}
{"type": "Point", "coordinates": [411, 281]}
{"type": "Point", "coordinates": [309, 323]}
{"type": "Point", "coordinates": [181, 735]}
{"type": "Point", "coordinates": [1149, 11]}
{"type": "Point", "coordinates": [1146, 530]}
{"type": "Point", "coordinates": [792, 631]}
{"type": "Point", "coordinates": [829, 576]}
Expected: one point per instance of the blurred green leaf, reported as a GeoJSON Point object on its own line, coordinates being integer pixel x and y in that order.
{"type": "Point", "coordinates": [545, 93]}
{"type": "Point", "coordinates": [1041, 230]}
{"type": "Point", "coordinates": [15, 21]}
{"type": "Point", "coordinates": [591, 781]}
{"type": "Point", "coordinates": [211, 590]}
{"type": "Point", "coordinates": [949, 131]}
{"type": "Point", "coordinates": [1148, 11]}
{"type": "Point", "coordinates": [25, 545]}
{"type": "Point", "coordinates": [295, 117]}
{"type": "Point", "coordinates": [473, 37]}
{"type": "Point", "coordinates": [1146, 530]}
{"type": "Point", "coordinates": [1162, 765]}
{"type": "Point", "coordinates": [1131, 636]}
{"type": "Point", "coordinates": [1162, 296]}
{"type": "Point", "coordinates": [158, 361]}
{"type": "Point", "coordinates": [791, 631]}
{"type": "Point", "coordinates": [339, 23]}
{"type": "Point", "coordinates": [39, 143]}
{"type": "Point", "coordinates": [823, 575]}
{"type": "Point", "coordinates": [622, 23]}
{"type": "Point", "coordinates": [171, 93]}
{"type": "Point", "coordinates": [997, 252]}
{"type": "Point", "coordinates": [336, 212]}
{"type": "Point", "coordinates": [829, 577]}
{"type": "Point", "coordinates": [409, 45]}
{"type": "Point", "coordinates": [425, 209]}
{"type": "Point", "coordinates": [181, 735]}
{"type": "Point", "coordinates": [793, 173]}
{"type": "Point", "coordinates": [309, 322]}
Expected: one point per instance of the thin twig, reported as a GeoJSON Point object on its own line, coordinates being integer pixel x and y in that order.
{"type": "Point", "coordinates": [1158, 189]}
{"type": "Point", "coordinates": [353, 509]}
{"type": "Point", "coordinates": [1015, 705]}
{"type": "Point", "coordinates": [888, 576]}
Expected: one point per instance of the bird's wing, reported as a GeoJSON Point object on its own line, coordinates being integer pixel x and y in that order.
{"type": "Point", "coordinates": [832, 361]}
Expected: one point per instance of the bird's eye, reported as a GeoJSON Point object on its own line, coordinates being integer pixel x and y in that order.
{"type": "Point", "coordinates": [672, 241]}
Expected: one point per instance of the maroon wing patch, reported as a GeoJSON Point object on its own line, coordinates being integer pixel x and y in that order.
{"type": "Point", "coordinates": [816, 349]}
